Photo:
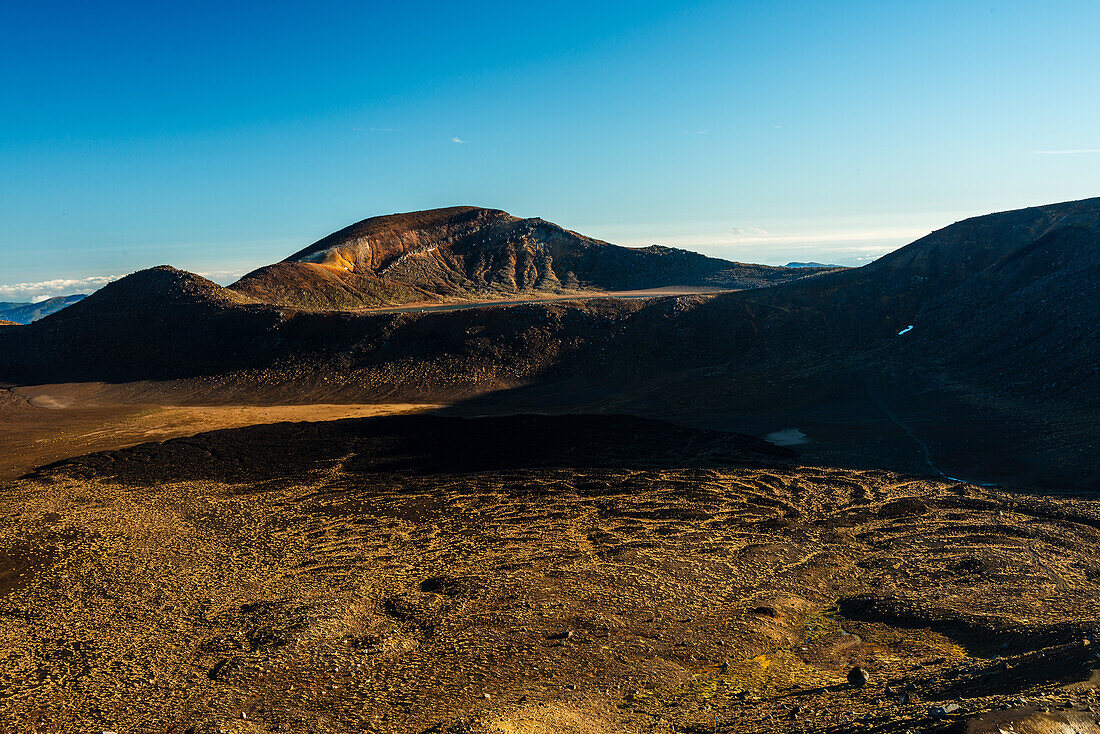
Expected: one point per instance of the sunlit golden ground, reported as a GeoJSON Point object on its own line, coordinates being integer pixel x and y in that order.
{"type": "Point", "coordinates": [372, 589]}
{"type": "Point", "coordinates": [44, 423]}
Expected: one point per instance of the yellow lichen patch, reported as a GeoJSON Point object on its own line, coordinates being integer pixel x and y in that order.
{"type": "Point", "coordinates": [749, 679]}
{"type": "Point", "coordinates": [822, 622]}
{"type": "Point", "coordinates": [912, 642]}
{"type": "Point", "coordinates": [554, 718]}
{"type": "Point", "coordinates": [776, 670]}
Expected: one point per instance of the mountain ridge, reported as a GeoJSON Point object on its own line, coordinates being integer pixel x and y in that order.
{"type": "Point", "coordinates": [471, 253]}
{"type": "Point", "coordinates": [25, 313]}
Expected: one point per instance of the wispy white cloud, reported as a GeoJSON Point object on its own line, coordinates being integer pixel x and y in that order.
{"type": "Point", "coordinates": [844, 239]}
{"type": "Point", "coordinates": [43, 289]}
{"type": "Point", "coordinates": [855, 247]}
{"type": "Point", "coordinates": [223, 277]}
{"type": "Point", "coordinates": [457, 140]}
{"type": "Point", "coordinates": [40, 291]}
{"type": "Point", "coordinates": [1071, 151]}
{"type": "Point", "coordinates": [754, 244]}
{"type": "Point", "coordinates": [753, 235]}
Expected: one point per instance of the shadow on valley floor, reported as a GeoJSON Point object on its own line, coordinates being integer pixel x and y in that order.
{"type": "Point", "coordinates": [900, 425]}
{"type": "Point", "coordinates": [425, 445]}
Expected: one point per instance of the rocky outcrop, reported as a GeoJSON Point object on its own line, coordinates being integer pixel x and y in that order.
{"type": "Point", "coordinates": [472, 253]}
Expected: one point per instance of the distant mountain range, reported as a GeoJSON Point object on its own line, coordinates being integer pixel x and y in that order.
{"type": "Point", "coordinates": [25, 313]}
{"type": "Point", "coordinates": [810, 265]}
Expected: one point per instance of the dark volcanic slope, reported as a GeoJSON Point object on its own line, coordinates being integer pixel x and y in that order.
{"type": "Point", "coordinates": [1042, 256]}
{"type": "Point", "coordinates": [1007, 300]}
{"type": "Point", "coordinates": [469, 252]}
{"type": "Point", "coordinates": [160, 321]}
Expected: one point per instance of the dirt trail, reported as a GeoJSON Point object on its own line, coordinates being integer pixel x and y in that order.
{"type": "Point", "coordinates": [926, 451]}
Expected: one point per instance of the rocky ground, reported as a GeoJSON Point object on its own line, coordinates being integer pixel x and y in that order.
{"type": "Point", "coordinates": [572, 574]}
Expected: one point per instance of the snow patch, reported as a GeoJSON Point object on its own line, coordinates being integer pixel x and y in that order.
{"type": "Point", "coordinates": [787, 437]}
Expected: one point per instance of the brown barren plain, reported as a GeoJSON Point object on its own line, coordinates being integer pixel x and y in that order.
{"type": "Point", "coordinates": [533, 574]}
{"type": "Point", "coordinates": [44, 423]}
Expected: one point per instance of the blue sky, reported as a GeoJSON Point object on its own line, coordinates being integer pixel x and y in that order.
{"type": "Point", "coordinates": [218, 136]}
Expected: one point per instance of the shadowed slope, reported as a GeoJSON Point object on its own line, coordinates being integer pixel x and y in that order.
{"type": "Point", "coordinates": [1007, 300]}
{"type": "Point", "coordinates": [425, 445]}
{"type": "Point", "coordinates": [975, 259]}
{"type": "Point", "coordinates": [155, 323]}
